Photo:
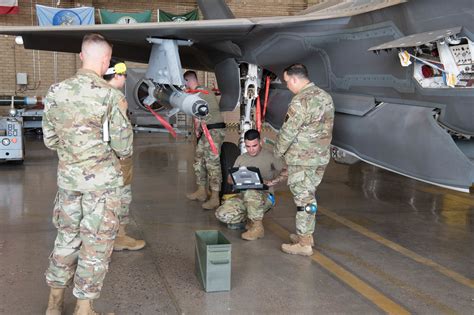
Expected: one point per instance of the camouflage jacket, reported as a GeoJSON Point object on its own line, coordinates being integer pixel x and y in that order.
{"type": "Point", "coordinates": [306, 134]}
{"type": "Point", "coordinates": [215, 115]}
{"type": "Point", "coordinates": [74, 114]}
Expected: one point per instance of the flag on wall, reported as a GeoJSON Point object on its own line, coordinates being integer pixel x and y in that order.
{"type": "Point", "coordinates": [168, 17]}
{"type": "Point", "coordinates": [48, 16]}
{"type": "Point", "coordinates": [110, 17]}
{"type": "Point", "coordinates": [8, 6]}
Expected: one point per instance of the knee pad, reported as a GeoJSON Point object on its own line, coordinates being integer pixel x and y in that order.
{"type": "Point", "coordinates": [271, 198]}
{"type": "Point", "coordinates": [310, 208]}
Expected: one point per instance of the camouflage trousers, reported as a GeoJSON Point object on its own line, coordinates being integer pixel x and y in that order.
{"type": "Point", "coordinates": [207, 165]}
{"type": "Point", "coordinates": [87, 225]}
{"type": "Point", "coordinates": [125, 201]}
{"type": "Point", "coordinates": [303, 181]}
{"type": "Point", "coordinates": [250, 204]}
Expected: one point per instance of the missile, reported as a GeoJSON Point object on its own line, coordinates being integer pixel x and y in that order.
{"type": "Point", "coordinates": [20, 100]}
{"type": "Point", "coordinates": [175, 97]}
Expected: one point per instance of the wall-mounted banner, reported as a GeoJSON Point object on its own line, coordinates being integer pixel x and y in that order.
{"type": "Point", "coordinates": [9, 7]}
{"type": "Point", "coordinates": [110, 17]}
{"type": "Point", "coordinates": [48, 16]}
{"type": "Point", "coordinates": [168, 17]}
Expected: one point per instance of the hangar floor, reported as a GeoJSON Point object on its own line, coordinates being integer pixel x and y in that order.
{"type": "Point", "coordinates": [384, 244]}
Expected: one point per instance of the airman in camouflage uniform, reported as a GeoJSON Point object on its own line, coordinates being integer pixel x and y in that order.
{"type": "Point", "coordinates": [116, 77]}
{"type": "Point", "coordinates": [207, 166]}
{"type": "Point", "coordinates": [83, 123]}
{"type": "Point", "coordinates": [304, 141]}
{"type": "Point", "coordinates": [252, 204]}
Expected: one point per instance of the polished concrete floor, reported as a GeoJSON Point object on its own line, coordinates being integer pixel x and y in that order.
{"type": "Point", "coordinates": [384, 244]}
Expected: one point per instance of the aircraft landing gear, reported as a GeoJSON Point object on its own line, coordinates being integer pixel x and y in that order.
{"type": "Point", "coordinates": [251, 77]}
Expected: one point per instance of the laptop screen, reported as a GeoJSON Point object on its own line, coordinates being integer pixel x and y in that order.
{"type": "Point", "coordinates": [247, 178]}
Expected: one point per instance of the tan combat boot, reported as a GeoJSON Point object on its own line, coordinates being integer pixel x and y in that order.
{"type": "Point", "coordinates": [248, 225]}
{"type": "Point", "coordinates": [123, 241]}
{"type": "Point", "coordinates": [55, 302]}
{"type": "Point", "coordinates": [84, 307]}
{"type": "Point", "coordinates": [294, 238]}
{"type": "Point", "coordinates": [303, 247]}
{"type": "Point", "coordinates": [255, 232]}
{"type": "Point", "coordinates": [213, 202]}
{"type": "Point", "coordinates": [200, 194]}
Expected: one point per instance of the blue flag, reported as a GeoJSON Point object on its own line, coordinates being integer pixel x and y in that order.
{"type": "Point", "coordinates": [48, 16]}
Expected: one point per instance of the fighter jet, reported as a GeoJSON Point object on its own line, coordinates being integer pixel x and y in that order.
{"type": "Point", "coordinates": [401, 73]}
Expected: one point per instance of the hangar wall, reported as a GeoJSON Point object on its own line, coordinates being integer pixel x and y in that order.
{"type": "Point", "coordinates": [44, 68]}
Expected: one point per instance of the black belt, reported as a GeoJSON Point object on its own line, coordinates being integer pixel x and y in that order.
{"type": "Point", "coordinates": [220, 125]}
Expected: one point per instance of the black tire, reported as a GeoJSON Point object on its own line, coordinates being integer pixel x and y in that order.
{"type": "Point", "coordinates": [16, 162]}
{"type": "Point", "coordinates": [229, 153]}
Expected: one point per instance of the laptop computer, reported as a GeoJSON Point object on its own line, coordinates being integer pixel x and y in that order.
{"type": "Point", "coordinates": [247, 178]}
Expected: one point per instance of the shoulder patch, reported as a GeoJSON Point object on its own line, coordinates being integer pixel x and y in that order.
{"type": "Point", "coordinates": [290, 113]}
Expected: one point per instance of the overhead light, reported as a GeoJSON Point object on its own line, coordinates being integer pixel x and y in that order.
{"type": "Point", "coordinates": [19, 40]}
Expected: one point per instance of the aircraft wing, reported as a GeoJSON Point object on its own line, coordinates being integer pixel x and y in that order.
{"type": "Point", "coordinates": [130, 40]}
{"type": "Point", "coordinates": [214, 40]}
{"type": "Point", "coordinates": [329, 8]}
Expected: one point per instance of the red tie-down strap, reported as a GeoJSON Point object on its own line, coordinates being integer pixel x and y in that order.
{"type": "Point", "coordinates": [267, 89]}
{"type": "Point", "coordinates": [258, 114]}
{"type": "Point", "coordinates": [216, 91]}
{"type": "Point", "coordinates": [196, 124]}
{"type": "Point", "coordinates": [162, 121]}
{"type": "Point", "coordinates": [208, 137]}
{"type": "Point", "coordinates": [197, 91]}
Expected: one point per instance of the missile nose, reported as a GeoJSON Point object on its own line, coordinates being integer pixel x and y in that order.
{"type": "Point", "coordinates": [202, 110]}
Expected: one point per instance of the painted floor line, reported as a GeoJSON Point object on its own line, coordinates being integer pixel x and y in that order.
{"type": "Point", "coordinates": [383, 302]}
{"type": "Point", "coordinates": [394, 281]}
{"type": "Point", "coordinates": [398, 248]}
{"type": "Point", "coordinates": [461, 197]}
